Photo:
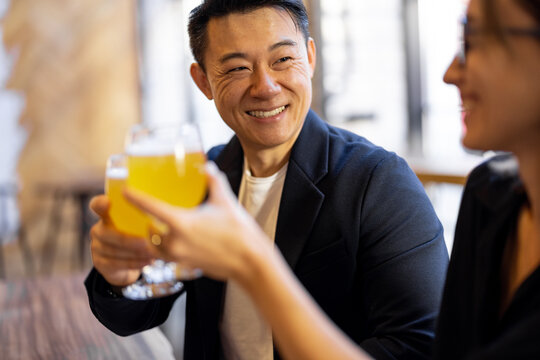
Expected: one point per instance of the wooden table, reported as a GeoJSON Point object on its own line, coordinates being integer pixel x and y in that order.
{"type": "Point", "coordinates": [446, 170]}
{"type": "Point", "coordinates": [49, 318]}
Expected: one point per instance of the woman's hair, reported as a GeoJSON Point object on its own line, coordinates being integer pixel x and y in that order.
{"type": "Point", "coordinates": [531, 7]}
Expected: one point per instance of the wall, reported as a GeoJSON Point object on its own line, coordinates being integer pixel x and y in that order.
{"type": "Point", "coordinates": [75, 65]}
{"type": "Point", "coordinates": [11, 138]}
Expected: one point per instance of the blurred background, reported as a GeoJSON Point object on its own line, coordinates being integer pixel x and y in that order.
{"type": "Point", "coordinates": [75, 74]}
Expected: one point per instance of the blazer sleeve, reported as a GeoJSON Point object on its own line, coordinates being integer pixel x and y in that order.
{"type": "Point", "coordinates": [121, 315]}
{"type": "Point", "coordinates": [403, 261]}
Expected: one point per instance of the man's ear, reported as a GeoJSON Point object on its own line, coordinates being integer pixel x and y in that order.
{"type": "Point", "coordinates": [312, 55]}
{"type": "Point", "coordinates": [199, 77]}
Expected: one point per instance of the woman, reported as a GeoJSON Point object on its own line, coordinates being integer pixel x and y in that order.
{"type": "Point", "coordinates": [491, 305]}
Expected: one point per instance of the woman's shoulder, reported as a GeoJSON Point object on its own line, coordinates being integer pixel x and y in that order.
{"type": "Point", "coordinates": [495, 180]}
{"type": "Point", "coordinates": [502, 168]}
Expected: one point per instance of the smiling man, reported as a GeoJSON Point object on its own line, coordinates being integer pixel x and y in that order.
{"type": "Point", "coordinates": [350, 218]}
{"type": "Point", "coordinates": [257, 67]}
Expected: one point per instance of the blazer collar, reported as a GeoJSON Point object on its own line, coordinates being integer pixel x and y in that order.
{"type": "Point", "coordinates": [230, 161]}
{"type": "Point", "coordinates": [310, 151]}
{"type": "Point", "coordinates": [301, 200]}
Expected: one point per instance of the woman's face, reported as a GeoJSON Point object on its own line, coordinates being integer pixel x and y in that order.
{"type": "Point", "coordinates": [499, 82]}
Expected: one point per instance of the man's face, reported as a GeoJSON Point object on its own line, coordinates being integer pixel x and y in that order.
{"type": "Point", "coordinates": [258, 71]}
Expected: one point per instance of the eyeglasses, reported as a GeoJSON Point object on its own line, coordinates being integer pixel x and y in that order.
{"type": "Point", "coordinates": [467, 31]}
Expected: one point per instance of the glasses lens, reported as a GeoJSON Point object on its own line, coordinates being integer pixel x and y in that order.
{"type": "Point", "coordinates": [462, 49]}
{"type": "Point", "coordinates": [461, 52]}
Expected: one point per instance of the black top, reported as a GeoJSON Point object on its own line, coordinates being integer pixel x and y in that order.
{"type": "Point", "coordinates": [357, 229]}
{"type": "Point", "coordinates": [470, 325]}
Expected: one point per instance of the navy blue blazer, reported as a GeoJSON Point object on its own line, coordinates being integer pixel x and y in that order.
{"type": "Point", "coordinates": [357, 229]}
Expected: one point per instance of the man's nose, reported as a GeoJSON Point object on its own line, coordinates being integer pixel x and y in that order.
{"type": "Point", "coordinates": [264, 83]}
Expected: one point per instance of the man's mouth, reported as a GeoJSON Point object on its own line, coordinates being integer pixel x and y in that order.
{"type": "Point", "coordinates": [267, 114]}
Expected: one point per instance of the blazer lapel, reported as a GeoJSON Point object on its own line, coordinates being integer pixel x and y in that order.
{"type": "Point", "coordinates": [300, 204]}
{"type": "Point", "coordinates": [230, 161]}
{"type": "Point", "coordinates": [209, 294]}
{"type": "Point", "coordinates": [301, 200]}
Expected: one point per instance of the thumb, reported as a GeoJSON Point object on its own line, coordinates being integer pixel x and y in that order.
{"type": "Point", "coordinates": [100, 205]}
{"type": "Point", "coordinates": [218, 187]}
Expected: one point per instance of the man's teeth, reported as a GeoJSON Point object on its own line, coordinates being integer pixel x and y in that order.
{"type": "Point", "coordinates": [266, 114]}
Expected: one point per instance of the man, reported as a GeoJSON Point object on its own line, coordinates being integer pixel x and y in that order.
{"type": "Point", "coordinates": [351, 219]}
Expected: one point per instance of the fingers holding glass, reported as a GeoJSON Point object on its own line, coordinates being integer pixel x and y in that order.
{"type": "Point", "coordinates": [166, 163]}
{"type": "Point", "coordinates": [117, 257]}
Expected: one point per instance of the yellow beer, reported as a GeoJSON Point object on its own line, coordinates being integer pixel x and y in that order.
{"type": "Point", "coordinates": [177, 178]}
{"type": "Point", "coordinates": [125, 217]}
{"type": "Point", "coordinates": [166, 162]}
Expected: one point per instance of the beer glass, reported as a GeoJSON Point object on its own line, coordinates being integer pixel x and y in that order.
{"type": "Point", "coordinates": [125, 217]}
{"type": "Point", "coordinates": [166, 162]}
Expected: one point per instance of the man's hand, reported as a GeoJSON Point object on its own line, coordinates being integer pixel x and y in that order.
{"type": "Point", "coordinates": [116, 256]}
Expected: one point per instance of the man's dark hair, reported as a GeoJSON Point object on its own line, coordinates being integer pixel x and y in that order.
{"type": "Point", "coordinates": [201, 15]}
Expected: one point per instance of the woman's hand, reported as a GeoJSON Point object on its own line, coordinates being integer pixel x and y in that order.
{"type": "Point", "coordinates": [218, 237]}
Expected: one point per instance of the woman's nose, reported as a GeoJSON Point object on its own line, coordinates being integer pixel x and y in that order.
{"type": "Point", "coordinates": [454, 72]}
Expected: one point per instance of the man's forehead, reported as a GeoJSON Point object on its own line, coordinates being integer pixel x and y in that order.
{"type": "Point", "coordinates": [256, 30]}
{"type": "Point", "coordinates": [251, 23]}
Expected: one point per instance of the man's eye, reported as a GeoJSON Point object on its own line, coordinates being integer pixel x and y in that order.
{"type": "Point", "coordinates": [283, 59]}
{"type": "Point", "coordinates": [236, 69]}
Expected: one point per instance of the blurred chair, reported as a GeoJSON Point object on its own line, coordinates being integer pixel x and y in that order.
{"type": "Point", "coordinates": [8, 192]}
{"type": "Point", "coordinates": [77, 193]}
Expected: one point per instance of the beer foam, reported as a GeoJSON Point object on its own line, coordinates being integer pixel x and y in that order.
{"type": "Point", "coordinates": [150, 148]}
{"type": "Point", "coordinates": [117, 173]}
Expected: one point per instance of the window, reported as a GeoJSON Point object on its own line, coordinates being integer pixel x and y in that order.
{"type": "Point", "coordinates": [439, 35]}
{"type": "Point", "coordinates": [12, 138]}
{"type": "Point", "coordinates": [168, 93]}
{"type": "Point", "coordinates": [363, 65]}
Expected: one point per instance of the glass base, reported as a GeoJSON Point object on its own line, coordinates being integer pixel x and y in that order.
{"type": "Point", "coordinates": [158, 280]}
{"type": "Point", "coordinates": [141, 290]}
